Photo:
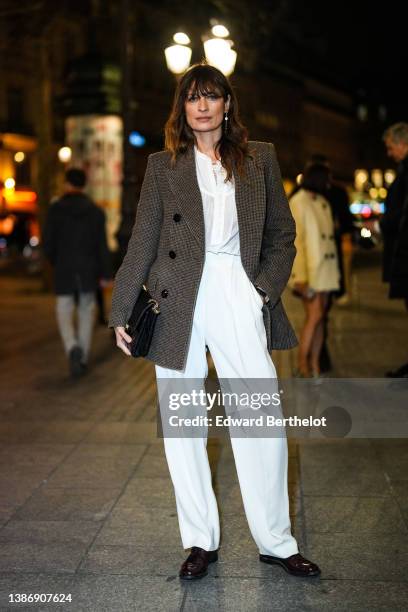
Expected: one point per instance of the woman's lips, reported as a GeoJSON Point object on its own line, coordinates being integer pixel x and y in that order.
{"type": "Point", "coordinates": [203, 118]}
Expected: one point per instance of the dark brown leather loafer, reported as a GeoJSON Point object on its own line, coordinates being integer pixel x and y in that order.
{"type": "Point", "coordinates": [196, 564]}
{"type": "Point", "coordinates": [295, 565]}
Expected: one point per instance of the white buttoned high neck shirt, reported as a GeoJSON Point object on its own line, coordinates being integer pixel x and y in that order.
{"type": "Point", "coordinates": [220, 211]}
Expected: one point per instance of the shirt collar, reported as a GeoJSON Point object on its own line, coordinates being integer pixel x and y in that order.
{"type": "Point", "coordinates": [204, 156]}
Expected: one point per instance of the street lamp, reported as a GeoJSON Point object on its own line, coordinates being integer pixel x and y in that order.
{"type": "Point", "coordinates": [178, 56]}
{"type": "Point", "coordinates": [219, 30]}
{"type": "Point", "coordinates": [218, 51]}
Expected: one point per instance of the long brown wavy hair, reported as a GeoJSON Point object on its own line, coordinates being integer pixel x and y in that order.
{"type": "Point", "coordinates": [232, 147]}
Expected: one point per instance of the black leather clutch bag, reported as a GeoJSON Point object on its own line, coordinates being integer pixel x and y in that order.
{"type": "Point", "coordinates": [141, 323]}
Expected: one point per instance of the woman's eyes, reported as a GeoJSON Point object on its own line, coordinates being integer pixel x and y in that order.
{"type": "Point", "coordinates": [194, 97]}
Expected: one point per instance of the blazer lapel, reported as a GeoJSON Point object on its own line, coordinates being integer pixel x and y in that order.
{"type": "Point", "coordinates": [250, 203]}
{"type": "Point", "coordinates": [184, 185]}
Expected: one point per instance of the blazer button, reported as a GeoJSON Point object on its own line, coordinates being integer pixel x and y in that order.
{"type": "Point", "coordinates": [164, 293]}
{"type": "Point", "coordinates": [323, 236]}
{"type": "Point", "coordinates": [172, 254]}
{"type": "Point", "coordinates": [176, 217]}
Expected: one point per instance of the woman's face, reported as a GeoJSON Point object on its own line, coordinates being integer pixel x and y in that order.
{"type": "Point", "coordinates": [205, 113]}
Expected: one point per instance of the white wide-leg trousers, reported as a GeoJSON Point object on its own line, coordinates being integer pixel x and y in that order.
{"type": "Point", "coordinates": [228, 319]}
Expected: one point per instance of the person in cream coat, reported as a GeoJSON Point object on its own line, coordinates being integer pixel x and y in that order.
{"type": "Point", "coordinates": [315, 270]}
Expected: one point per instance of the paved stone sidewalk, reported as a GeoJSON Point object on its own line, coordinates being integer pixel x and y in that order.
{"type": "Point", "coordinates": [86, 504]}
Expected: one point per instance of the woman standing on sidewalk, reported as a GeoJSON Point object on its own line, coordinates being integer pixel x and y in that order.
{"type": "Point", "coordinates": [213, 240]}
{"type": "Point", "coordinates": [315, 270]}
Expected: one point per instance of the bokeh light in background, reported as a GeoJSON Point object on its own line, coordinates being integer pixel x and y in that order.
{"type": "Point", "coordinates": [9, 183]}
{"type": "Point", "coordinates": [19, 157]}
{"type": "Point", "coordinates": [136, 139]}
{"type": "Point", "coordinates": [65, 154]}
{"type": "Point", "coordinates": [181, 38]}
{"type": "Point", "coordinates": [220, 31]}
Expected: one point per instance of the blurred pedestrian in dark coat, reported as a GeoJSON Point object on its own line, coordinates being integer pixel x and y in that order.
{"type": "Point", "coordinates": [394, 223]}
{"type": "Point", "coordinates": [75, 243]}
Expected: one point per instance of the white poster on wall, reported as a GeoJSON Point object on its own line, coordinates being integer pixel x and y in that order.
{"type": "Point", "coordinates": [96, 144]}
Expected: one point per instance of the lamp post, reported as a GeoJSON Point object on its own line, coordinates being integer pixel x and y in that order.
{"type": "Point", "coordinates": [218, 51]}
{"type": "Point", "coordinates": [129, 178]}
{"type": "Point", "coordinates": [178, 56]}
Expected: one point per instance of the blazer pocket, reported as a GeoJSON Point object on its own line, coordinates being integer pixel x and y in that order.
{"type": "Point", "coordinates": [267, 317]}
{"type": "Point", "coordinates": [258, 296]}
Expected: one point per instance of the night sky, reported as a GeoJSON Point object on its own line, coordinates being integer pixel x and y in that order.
{"type": "Point", "coordinates": [364, 45]}
{"type": "Point", "coordinates": [358, 46]}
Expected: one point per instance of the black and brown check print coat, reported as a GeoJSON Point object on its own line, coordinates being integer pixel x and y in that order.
{"type": "Point", "coordinates": [167, 248]}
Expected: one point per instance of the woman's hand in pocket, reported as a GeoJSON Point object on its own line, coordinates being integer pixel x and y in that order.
{"type": "Point", "coordinates": [121, 339]}
{"type": "Point", "coordinates": [259, 296]}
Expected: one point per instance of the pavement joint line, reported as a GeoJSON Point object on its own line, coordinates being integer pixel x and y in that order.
{"type": "Point", "coordinates": [390, 486]}
{"type": "Point", "coordinates": [72, 576]}
{"type": "Point", "coordinates": [183, 602]}
{"type": "Point", "coordinates": [348, 496]}
{"type": "Point", "coordinates": [61, 463]}
{"type": "Point", "coordinates": [144, 408]}
{"type": "Point", "coordinates": [42, 484]}
{"type": "Point", "coordinates": [303, 529]}
{"type": "Point", "coordinates": [125, 391]}
{"type": "Point", "coordinates": [112, 508]}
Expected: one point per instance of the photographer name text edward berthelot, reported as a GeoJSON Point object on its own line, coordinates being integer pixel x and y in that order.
{"type": "Point", "coordinates": [259, 421]}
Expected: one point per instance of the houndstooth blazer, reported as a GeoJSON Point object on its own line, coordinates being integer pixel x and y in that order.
{"type": "Point", "coordinates": [167, 248]}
